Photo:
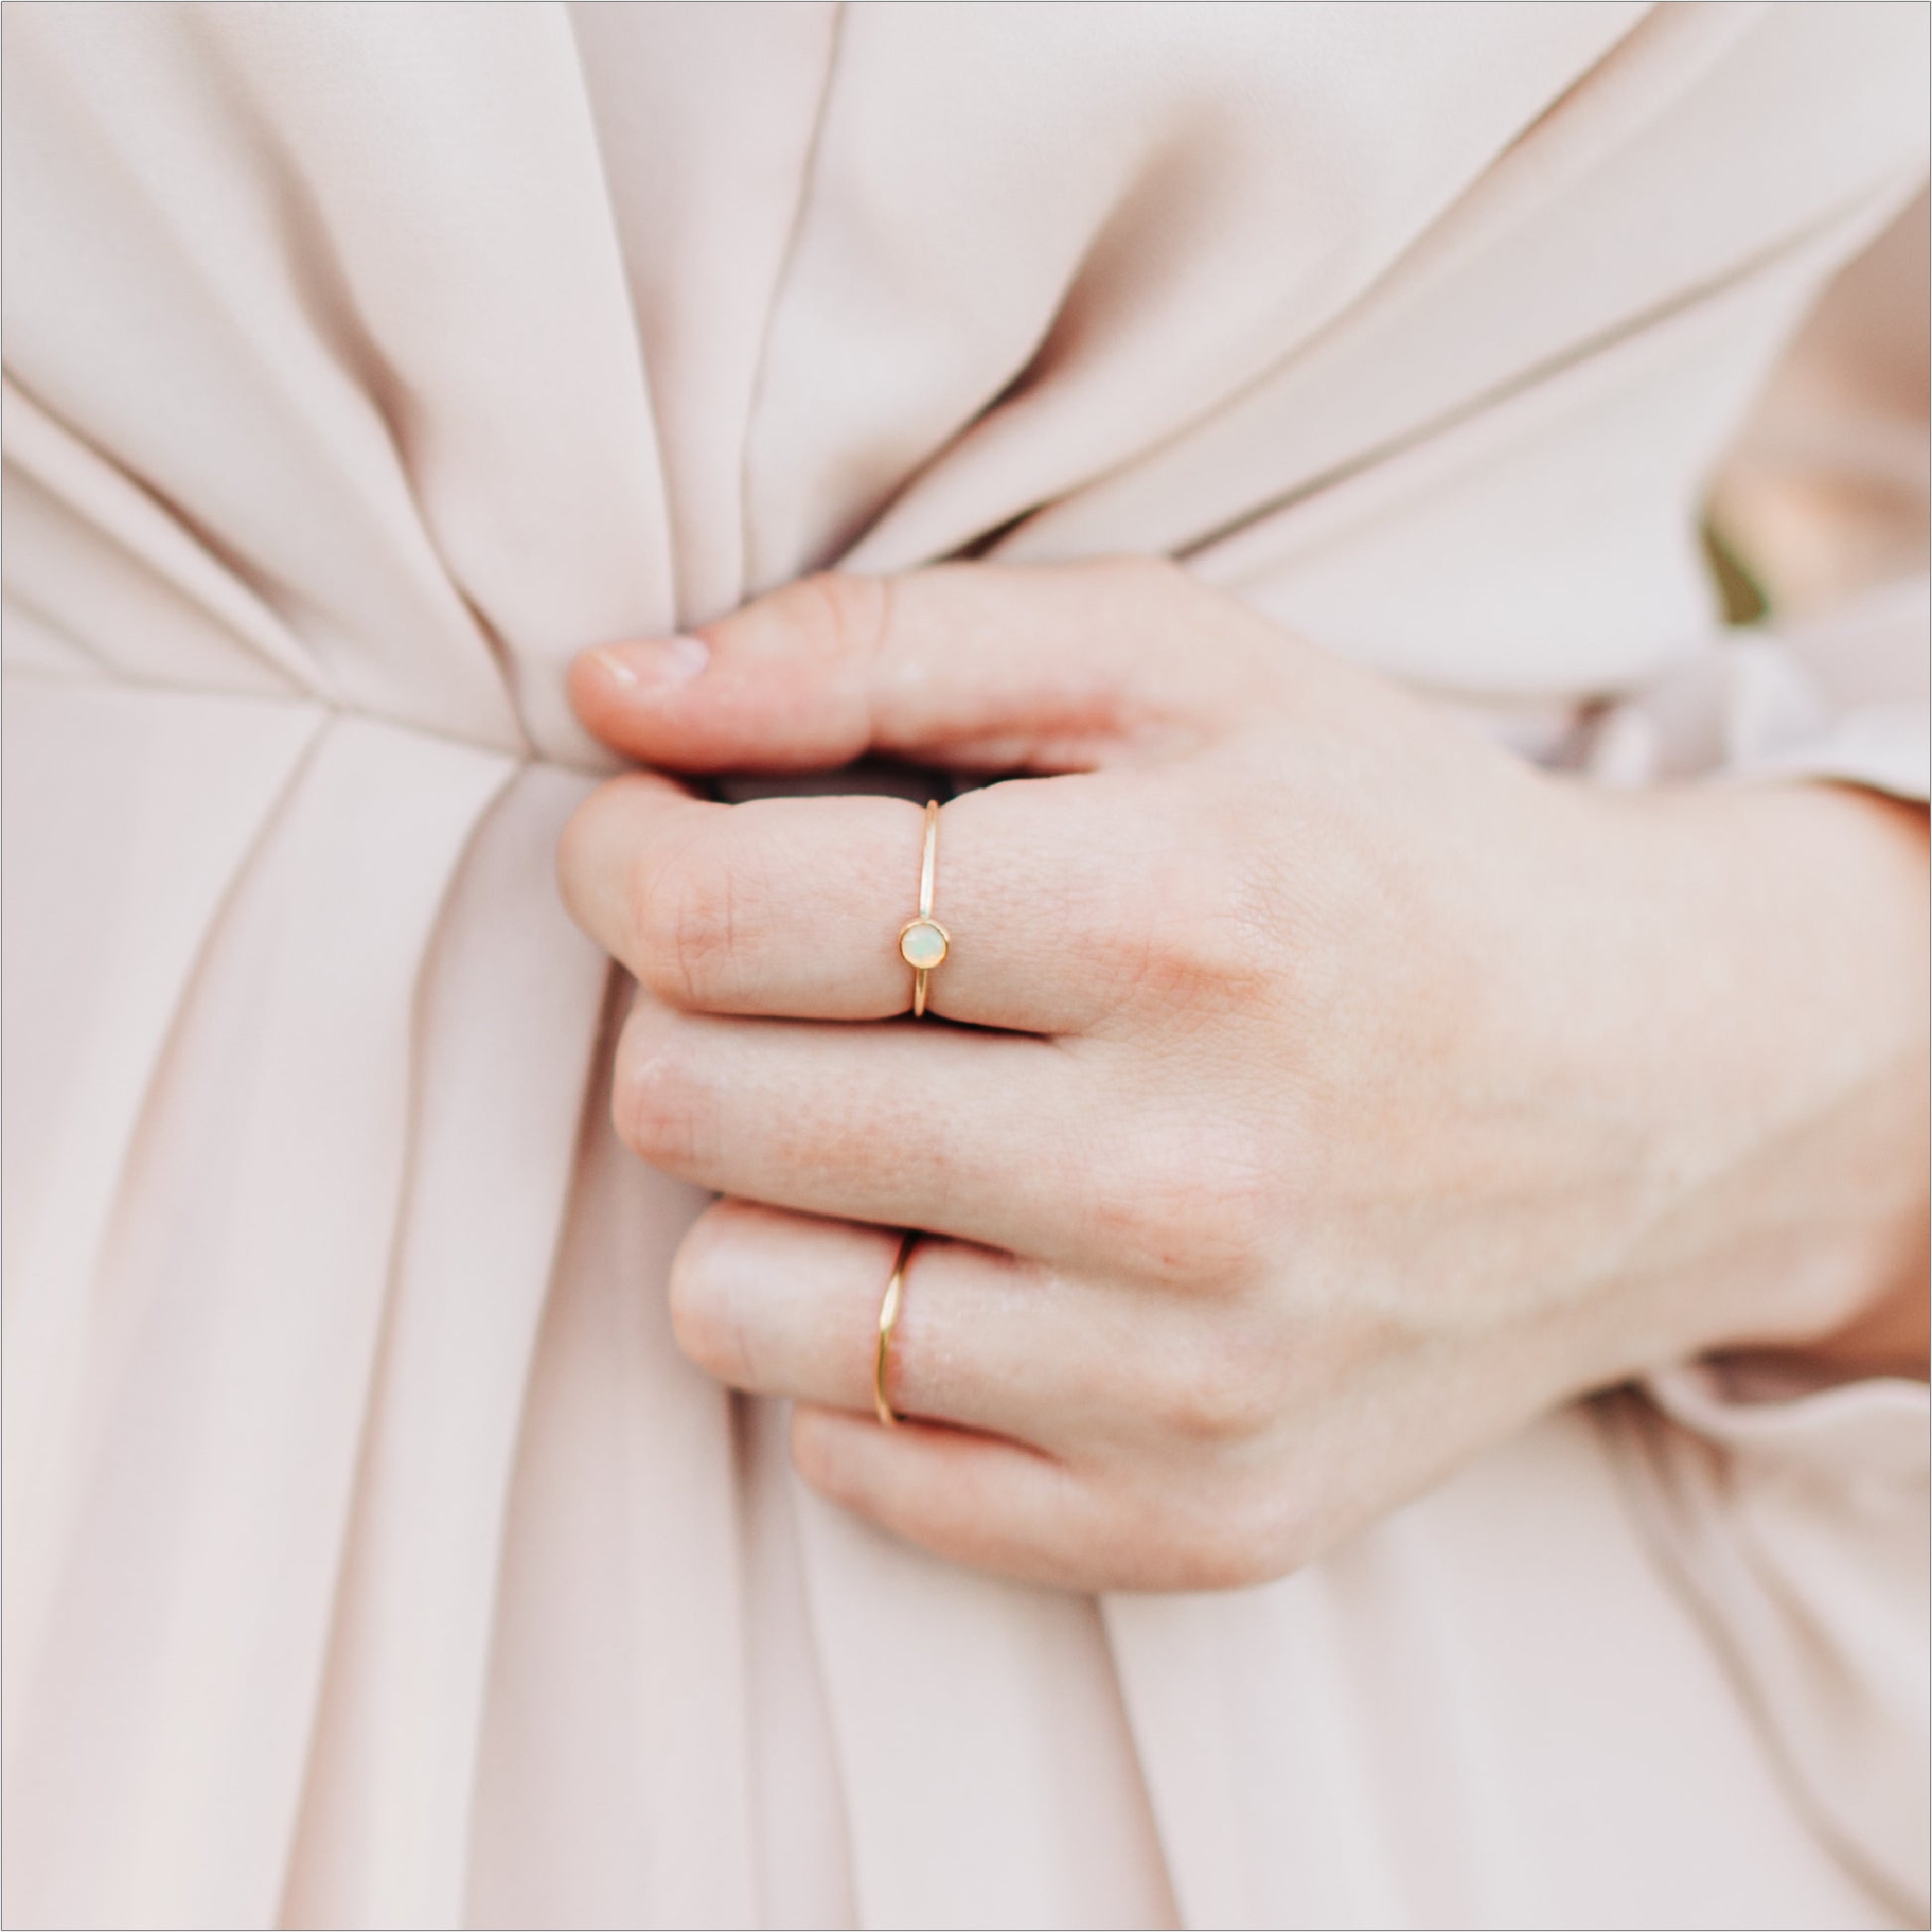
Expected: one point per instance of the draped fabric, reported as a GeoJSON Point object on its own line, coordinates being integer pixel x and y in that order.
{"type": "Point", "coordinates": [372, 1557]}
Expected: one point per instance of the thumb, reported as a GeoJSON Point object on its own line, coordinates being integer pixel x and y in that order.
{"type": "Point", "coordinates": [986, 667]}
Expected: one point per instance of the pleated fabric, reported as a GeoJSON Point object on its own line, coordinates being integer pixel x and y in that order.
{"type": "Point", "coordinates": [372, 1557]}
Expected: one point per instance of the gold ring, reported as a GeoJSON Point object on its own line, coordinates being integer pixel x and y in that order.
{"type": "Point", "coordinates": [887, 1322]}
{"type": "Point", "coordinates": [922, 941]}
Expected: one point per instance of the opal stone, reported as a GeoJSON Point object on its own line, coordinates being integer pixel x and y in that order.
{"type": "Point", "coordinates": [922, 945]}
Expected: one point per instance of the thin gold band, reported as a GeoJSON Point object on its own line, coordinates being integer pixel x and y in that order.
{"type": "Point", "coordinates": [922, 941]}
{"type": "Point", "coordinates": [887, 1322]}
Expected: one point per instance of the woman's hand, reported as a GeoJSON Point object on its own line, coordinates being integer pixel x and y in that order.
{"type": "Point", "coordinates": [1316, 1093]}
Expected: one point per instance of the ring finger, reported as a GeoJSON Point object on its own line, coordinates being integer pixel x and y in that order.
{"type": "Point", "coordinates": [787, 1304]}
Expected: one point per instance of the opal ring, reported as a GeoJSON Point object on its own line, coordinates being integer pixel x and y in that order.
{"type": "Point", "coordinates": [922, 941]}
{"type": "Point", "coordinates": [887, 1322]}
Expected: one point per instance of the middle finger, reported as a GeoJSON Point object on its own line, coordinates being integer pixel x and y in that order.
{"type": "Point", "coordinates": [792, 906]}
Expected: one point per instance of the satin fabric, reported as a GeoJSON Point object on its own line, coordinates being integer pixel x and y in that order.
{"type": "Point", "coordinates": [372, 1558]}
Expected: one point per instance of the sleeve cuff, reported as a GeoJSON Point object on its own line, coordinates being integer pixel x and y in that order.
{"type": "Point", "coordinates": [1873, 1434]}
{"type": "Point", "coordinates": [1841, 695]}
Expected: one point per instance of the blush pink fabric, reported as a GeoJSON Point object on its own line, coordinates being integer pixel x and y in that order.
{"type": "Point", "coordinates": [372, 1558]}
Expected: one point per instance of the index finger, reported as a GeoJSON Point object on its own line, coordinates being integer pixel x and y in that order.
{"type": "Point", "coordinates": [978, 667]}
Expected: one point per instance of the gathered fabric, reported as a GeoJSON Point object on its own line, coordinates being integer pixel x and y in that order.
{"type": "Point", "coordinates": [372, 1557]}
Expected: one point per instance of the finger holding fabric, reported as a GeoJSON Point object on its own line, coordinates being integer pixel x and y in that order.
{"type": "Point", "coordinates": [772, 1303]}
{"type": "Point", "coordinates": [793, 906]}
{"type": "Point", "coordinates": [886, 1123]}
{"type": "Point", "coordinates": [1361, 1089]}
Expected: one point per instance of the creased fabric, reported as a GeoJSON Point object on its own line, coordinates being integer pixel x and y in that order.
{"type": "Point", "coordinates": [372, 1558]}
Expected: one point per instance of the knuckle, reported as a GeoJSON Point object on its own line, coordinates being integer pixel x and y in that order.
{"type": "Point", "coordinates": [1204, 941]}
{"type": "Point", "coordinates": [704, 1315]}
{"type": "Point", "coordinates": [1215, 1390]}
{"type": "Point", "coordinates": [814, 1445]}
{"type": "Point", "coordinates": [587, 857]}
{"type": "Point", "coordinates": [840, 613]}
{"type": "Point", "coordinates": [1129, 945]}
{"type": "Point", "coordinates": [1188, 1205]}
{"type": "Point", "coordinates": [688, 915]}
{"type": "Point", "coordinates": [659, 1104]}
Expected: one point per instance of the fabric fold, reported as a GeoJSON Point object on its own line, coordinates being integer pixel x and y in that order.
{"type": "Point", "coordinates": [382, 1561]}
{"type": "Point", "coordinates": [385, 1833]}
{"type": "Point", "coordinates": [1795, 1522]}
{"type": "Point", "coordinates": [205, 1460]}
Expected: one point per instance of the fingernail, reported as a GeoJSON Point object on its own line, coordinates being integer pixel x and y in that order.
{"type": "Point", "coordinates": [655, 663]}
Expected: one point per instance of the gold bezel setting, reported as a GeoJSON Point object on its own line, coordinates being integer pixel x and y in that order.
{"type": "Point", "coordinates": [921, 925]}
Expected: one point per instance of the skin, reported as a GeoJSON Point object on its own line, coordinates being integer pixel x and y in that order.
{"type": "Point", "coordinates": [1317, 1093]}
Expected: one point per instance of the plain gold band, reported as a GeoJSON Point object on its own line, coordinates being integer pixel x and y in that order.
{"type": "Point", "coordinates": [928, 865]}
{"type": "Point", "coordinates": [923, 919]}
{"type": "Point", "coordinates": [887, 1322]}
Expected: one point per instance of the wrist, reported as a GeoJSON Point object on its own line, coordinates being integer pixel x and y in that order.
{"type": "Point", "coordinates": [1788, 1056]}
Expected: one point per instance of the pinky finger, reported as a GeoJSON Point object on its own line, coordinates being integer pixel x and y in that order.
{"type": "Point", "coordinates": [975, 1499]}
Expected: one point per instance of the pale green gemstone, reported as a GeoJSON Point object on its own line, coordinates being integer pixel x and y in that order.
{"type": "Point", "coordinates": [922, 945]}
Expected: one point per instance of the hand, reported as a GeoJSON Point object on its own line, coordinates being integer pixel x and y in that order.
{"type": "Point", "coordinates": [1318, 1092]}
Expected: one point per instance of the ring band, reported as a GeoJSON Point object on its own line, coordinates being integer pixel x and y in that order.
{"type": "Point", "coordinates": [887, 1322]}
{"type": "Point", "coordinates": [922, 941]}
